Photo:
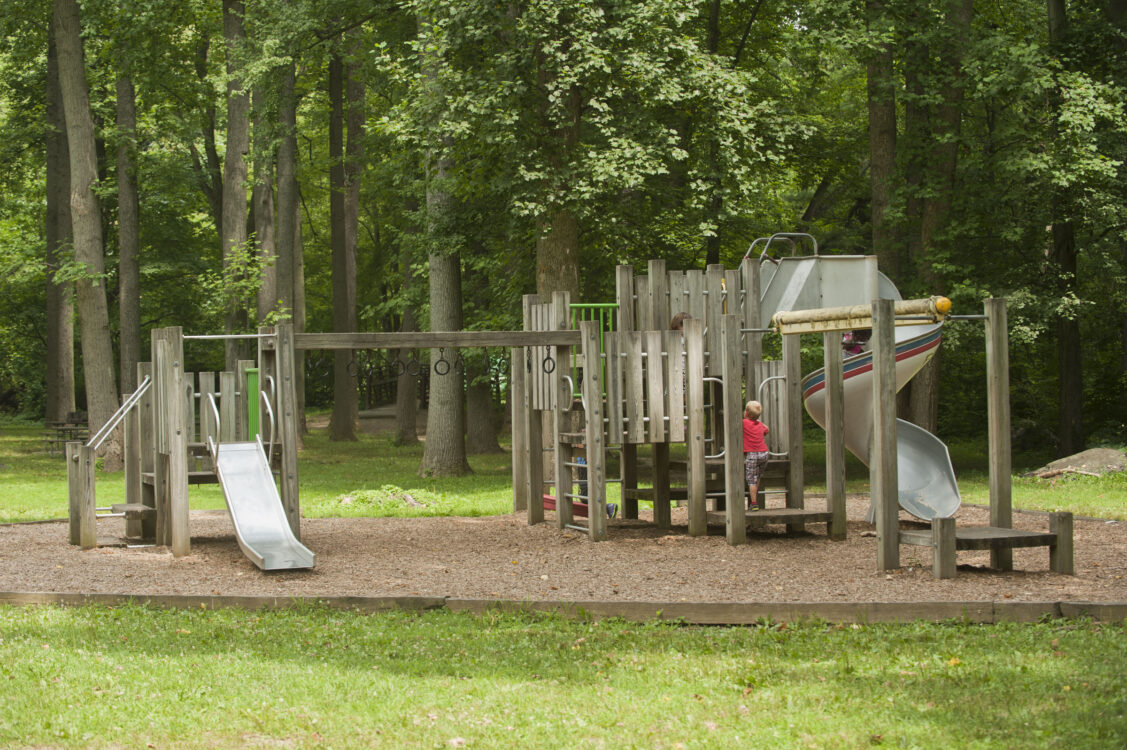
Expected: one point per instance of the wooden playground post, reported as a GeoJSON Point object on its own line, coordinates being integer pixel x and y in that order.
{"type": "Point", "coordinates": [596, 448]}
{"type": "Point", "coordinates": [146, 443]}
{"type": "Point", "coordinates": [245, 400]}
{"type": "Point", "coordinates": [286, 396]}
{"type": "Point", "coordinates": [518, 402]}
{"type": "Point", "coordinates": [227, 410]}
{"type": "Point", "coordinates": [80, 477]}
{"type": "Point", "coordinates": [796, 488]}
{"type": "Point", "coordinates": [172, 444]}
{"type": "Point", "coordinates": [882, 454]}
{"type": "Point", "coordinates": [735, 512]}
{"type": "Point", "coordinates": [998, 426]}
{"type": "Point", "coordinates": [560, 395]}
{"type": "Point", "coordinates": [624, 296]}
{"type": "Point", "coordinates": [534, 430]}
{"type": "Point", "coordinates": [694, 376]}
{"type": "Point", "coordinates": [752, 315]}
{"type": "Point", "coordinates": [835, 433]}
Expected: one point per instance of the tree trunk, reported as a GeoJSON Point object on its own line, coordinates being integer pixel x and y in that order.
{"type": "Point", "coordinates": [263, 206]}
{"type": "Point", "coordinates": [557, 256]}
{"type": "Point", "coordinates": [407, 384]}
{"type": "Point", "coordinates": [445, 451]}
{"type": "Point", "coordinates": [233, 234]}
{"type": "Point", "coordinates": [942, 164]}
{"type": "Point", "coordinates": [60, 305]}
{"type": "Point", "coordinates": [289, 275]}
{"type": "Point", "coordinates": [882, 147]}
{"type": "Point", "coordinates": [128, 236]}
{"type": "Point", "coordinates": [1064, 256]}
{"type": "Point", "coordinates": [481, 417]}
{"type": "Point", "coordinates": [86, 219]}
{"type": "Point", "coordinates": [209, 172]}
{"type": "Point", "coordinates": [342, 422]}
{"type": "Point", "coordinates": [299, 314]}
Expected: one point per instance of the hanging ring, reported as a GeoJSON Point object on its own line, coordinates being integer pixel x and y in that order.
{"type": "Point", "coordinates": [548, 365]}
{"type": "Point", "coordinates": [352, 368]}
{"type": "Point", "coordinates": [442, 366]}
{"type": "Point", "coordinates": [413, 368]}
{"type": "Point", "coordinates": [400, 368]}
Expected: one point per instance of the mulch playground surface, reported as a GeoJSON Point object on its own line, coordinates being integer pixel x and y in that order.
{"type": "Point", "coordinates": [640, 573]}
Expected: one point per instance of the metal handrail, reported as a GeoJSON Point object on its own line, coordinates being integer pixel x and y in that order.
{"type": "Point", "coordinates": [759, 395]}
{"type": "Point", "coordinates": [107, 429]}
{"type": "Point", "coordinates": [788, 236]}
{"type": "Point", "coordinates": [213, 442]}
{"type": "Point", "coordinates": [270, 410]}
{"type": "Point", "coordinates": [721, 382]}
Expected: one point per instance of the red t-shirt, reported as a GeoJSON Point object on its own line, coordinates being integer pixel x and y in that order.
{"type": "Point", "coordinates": [755, 436]}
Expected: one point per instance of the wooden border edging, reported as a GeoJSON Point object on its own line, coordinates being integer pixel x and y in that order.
{"type": "Point", "coordinates": [689, 613]}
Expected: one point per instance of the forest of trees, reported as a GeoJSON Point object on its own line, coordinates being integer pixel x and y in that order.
{"type": "Point", "coordinates": [421, 165]}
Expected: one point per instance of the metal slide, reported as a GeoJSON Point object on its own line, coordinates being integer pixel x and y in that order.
{"type": "Point", "coordinates": [927, 486]}
{"type": "Point", "coordinates": [256, 508]}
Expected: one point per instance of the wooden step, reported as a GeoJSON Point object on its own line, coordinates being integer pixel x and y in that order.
{"type": "Point", "coordinates": [133, 511]}
{"type": "Point", "coordinates": [194, 477]}
{"type": "Point", "coordinates": [983, 538]}
{"type": "Point", "coordinates": [774, 515]}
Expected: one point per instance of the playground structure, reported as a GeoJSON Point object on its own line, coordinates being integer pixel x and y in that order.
{"type": "Point", "coordinates": [639, 383]}
{"type": "Point", "coordinates": [602, 389]}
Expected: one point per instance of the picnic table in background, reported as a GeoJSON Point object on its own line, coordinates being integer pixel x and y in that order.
{"type": "Point", "coordinates": [58, 434]}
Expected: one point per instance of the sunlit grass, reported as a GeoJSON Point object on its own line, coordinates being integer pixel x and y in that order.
{"type": "Point", "coordinates": [131, 677]}
{"type": "Point", "coordinates": [373, 477]}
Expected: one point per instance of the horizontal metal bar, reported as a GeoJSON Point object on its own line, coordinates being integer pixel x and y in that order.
{"type": "Point", "coordinates": [577, 527]}
{"type": "Point", "coordinates": [967, 317]}
{"type": "Point", "coordinates": [435, 339]}
{"type": "Point", "coordinates": [228, 336]}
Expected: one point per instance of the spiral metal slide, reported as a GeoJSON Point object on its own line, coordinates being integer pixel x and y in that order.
{"type": "Point", "coordinates": [927, 486]}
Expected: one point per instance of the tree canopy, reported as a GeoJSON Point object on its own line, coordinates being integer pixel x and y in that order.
{"type": "Point", "coordinates": [532, 145]}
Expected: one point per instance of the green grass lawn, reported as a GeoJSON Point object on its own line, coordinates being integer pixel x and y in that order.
{"type": "Point", "coordinates": [136, 677]}
{"type": "Point", "coordinates": [372, 477]}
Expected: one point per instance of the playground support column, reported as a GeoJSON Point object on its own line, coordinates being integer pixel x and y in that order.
{"type": "Point", "coordinates": [596, 448]}
{"type": "Point", "coordinates": [796, 489]}
{"type": "Point", "coordinates": [998, 426]}
{"type": "Point", "coordinates": [624, 297]}
{"type": "Point", "coordinates": [518, 404]}
{"type": "Point", "coordinates": [694, 376]}
{"type": "Point", "coordinates": [560, 395]}
{"type": "Point", "coordinates": [749, 271]}
{"type": "Point", "coordinates": [80, 476]}
{"type": "Point", "coordinates": [146, 443]}
{"type": "Point", "coordinates": [286, 396]}
{"type": "Point", "coordinates": [168, 364]}
{"type": "Point", "coordinates": [131, 457]}
{"type": "Point", "coordinates": [835, 434]}
{"type": "Point", "coordinates": [245, 400]}
{"type": "Point", "coordinates": [882, 462]}
{"type": "Point", "coordinates": [534, 429]}
{"type": "Point", "coordinates": [735, 515]}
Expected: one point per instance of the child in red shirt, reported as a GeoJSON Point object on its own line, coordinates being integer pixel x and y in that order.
{"type": "Point", "coordinates": [755, 450]}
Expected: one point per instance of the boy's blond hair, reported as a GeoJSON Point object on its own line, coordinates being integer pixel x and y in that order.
{"type": "Point", "coordinates": [753, 410]}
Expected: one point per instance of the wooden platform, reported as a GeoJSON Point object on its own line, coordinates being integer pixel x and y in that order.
{"type": "Point", "coordinates": [194, 477]}
{"type": "Point", "coordinates": [983, 538]}
{"type": "Point", "coordinates": [945, 539]}
{"type": "Point", "coordinates": [774, 515]}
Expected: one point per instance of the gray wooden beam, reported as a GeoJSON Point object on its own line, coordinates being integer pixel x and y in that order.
{"type": "Point", "coordinates": [998, 425]}
{"type": "Point", "coordinates": [882, 455]}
